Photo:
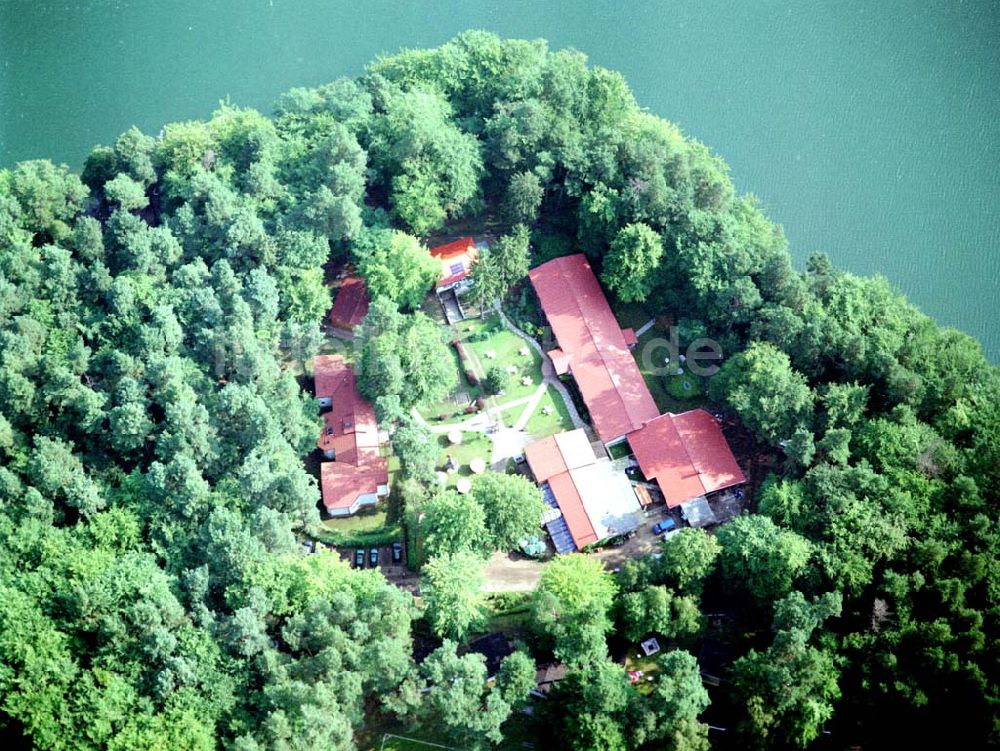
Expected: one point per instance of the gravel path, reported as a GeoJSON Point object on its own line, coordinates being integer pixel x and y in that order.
{"type": "Point", "coordinates": [507, 573]}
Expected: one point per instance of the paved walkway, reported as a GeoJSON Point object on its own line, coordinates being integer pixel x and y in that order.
{"type": "Point", "coordinates": [480, 421]}
{"type": "Point", "coordinates": [532, 405]}
{"type": "Point", "coordinates": [645, 327]}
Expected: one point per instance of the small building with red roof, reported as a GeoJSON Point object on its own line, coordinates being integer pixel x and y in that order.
{"type": "Point", "coordinates": [348, 488]}
{"type": "Point", "coordinates": [588, 499]}
{"type": "Point", "coordinates": [351, 304]}
{"type": "Point", "coordinates": [358, 475]}
{"type": "Point", "coordinates": [593, 348]}
{"type": "Point", "coordinates": [687, 455]}
{"type": "Point", "coordinates": [457, 259]}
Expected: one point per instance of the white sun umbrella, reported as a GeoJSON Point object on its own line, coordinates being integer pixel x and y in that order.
{"type": "Point", "coordinates": [454, 437]}
{"type": "Point", "coordinates": [478, 466]}
{"type": "Point", "coordinates": [464, 485]}
{"type": "Point", "coordinates": [442, 477]}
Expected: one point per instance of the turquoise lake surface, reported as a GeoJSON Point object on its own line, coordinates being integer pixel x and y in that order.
{"type": "Point", "coordinates": [869, 130]}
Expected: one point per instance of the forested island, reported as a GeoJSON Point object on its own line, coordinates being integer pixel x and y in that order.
{"type": "Point", "coordinates": [171, 579]}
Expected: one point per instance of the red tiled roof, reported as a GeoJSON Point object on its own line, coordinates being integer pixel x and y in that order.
{"type": "Point", "coordinates": [457, 247]}
{"type": "Point", "coordinates": [559, 453]}
{"type": "Point", "coordinates": [351, 305]}
{"type": "Point", "coordinates": [343, 483]}
{"type": "Point", "coordinates": [462, 251]}
{"type": "Point", "coordinates": [329, 374]}
{"type": "Point", "coordinates": [349, 428]}
{"type": "Point", "coordinates": [553, 460]}
{"type": "Point", "coordinates": [573, 510]}
{"type": "Point", "coordinates": [686, 454]}
{"type": "Point", "coordinates": [560, 361]}
{"type": "Point", "coordinates": [587, 331]}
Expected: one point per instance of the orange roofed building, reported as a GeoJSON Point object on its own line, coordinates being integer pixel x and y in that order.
{"type": "Point", "coordinates": [457, 259]}
{"type": "Point", "coordinates": [593, 348]}
{"type": "Point", "coordinates": [358, 475]}
{"type": "Point", "coordinates": [686, 454]}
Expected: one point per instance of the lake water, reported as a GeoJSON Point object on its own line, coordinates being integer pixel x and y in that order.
{"type": "Point", "coordinates": [869, 130]}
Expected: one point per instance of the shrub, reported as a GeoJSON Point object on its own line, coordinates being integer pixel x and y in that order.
{"type": "Point", "coordinates": [496, 380]}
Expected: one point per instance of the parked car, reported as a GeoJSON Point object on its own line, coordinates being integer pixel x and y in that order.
{"type": "Point", "coordinates": [359, 558]}
{"type": "Point", "coordinates": [664, 526]}
{"type": "Point", "coordinates": [373, 557]}
{"type": "Point", "coordinates": [397, 552]}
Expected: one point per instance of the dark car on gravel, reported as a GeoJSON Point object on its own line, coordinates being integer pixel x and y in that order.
{"type": "Point", "coordinates": [373, 557]}
{"type": "Point", "coordinates": [397, 552]}
{"type": "Point", "coordinates": [359, 558]}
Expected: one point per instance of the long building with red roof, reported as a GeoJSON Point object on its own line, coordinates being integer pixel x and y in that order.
{"type": "Point", "coordinates": [686, 454]}
{"type": "Point", "coordinates": [593, 347]}
{"type": "Point", "coordinates": [358, 474]}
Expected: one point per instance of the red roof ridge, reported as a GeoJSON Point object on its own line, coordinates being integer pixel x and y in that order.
{"type": "Point", "coordinates": [666, 451]}
{"type": "Point", "coordinates": [453, 248]}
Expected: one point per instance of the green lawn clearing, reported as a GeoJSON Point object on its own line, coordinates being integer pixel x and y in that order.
{"type": "Point", "coordinates": [541, 425]}
{"type": "Point", "coordinates": [672, 393]}
{"type": "Point", "coordinates": [490, 338]}
{"type": "Point", "coordinates": [473, 445]}
{"type": "Point", "coordinates": [483, 337]}
{"type": "Point", "coordinates": [364, 529]}
{"type": "Point", "coordinates": [650, 666]}
{"type": "Point", "coordinates": [684, 387]}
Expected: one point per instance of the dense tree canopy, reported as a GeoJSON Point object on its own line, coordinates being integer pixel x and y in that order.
{"type": "Point", "coordinates": [512, 507]}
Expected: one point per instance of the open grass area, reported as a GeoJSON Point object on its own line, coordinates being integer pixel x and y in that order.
{"type": "Point", "coordinates": [541, 425]}
{"type": "Point", "coordinates": [365, 529]}
{"type": "Point", "coordinates": [669, 391]}
{"type": "Point", "coordinates": [685, 387]}
{"type": "Point", "coordinates": [473, 445]}
{"type": "Point", "coordinates": [490, 338]}
{"type": "Point", "coordinates": [650, 366]}
{"type": "Point", "coordinates": [650, 666]}
{"type": "Point", "coordinates": [509, 613]}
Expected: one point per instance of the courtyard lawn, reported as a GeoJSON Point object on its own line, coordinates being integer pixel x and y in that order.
{"type": "Point", "coordinates": [479, 337]}
{"type": "Point", "coordinates": [685, 387]}
{"type": "Point", "coordinates": [652, 371]}
{"type": "Point", "coordinates": [473, 445]}
{"type": "Point", "coordinates": [669, 391]}
{"type": "Point", "coordinates": [649, 666]}
{"type": "Point", "coordinates": [541, 425]}
{"type": "Point", "coordinates": [490, 336]}
{"type": "Point", "coordinates": [510, 613]}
